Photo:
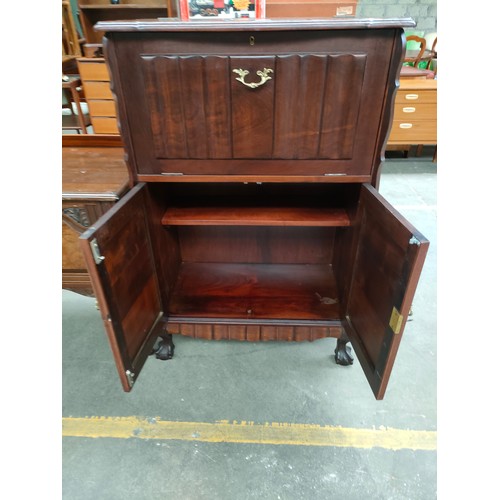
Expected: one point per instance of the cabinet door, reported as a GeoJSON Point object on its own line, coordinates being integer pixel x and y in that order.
{"type": "Point", "coordinates": [389, 257]}
{"type": "Point", "coordinates": [121, 264]}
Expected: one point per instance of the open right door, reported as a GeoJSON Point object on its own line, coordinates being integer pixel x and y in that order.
{"type": "Point", "coordinates": [390, 255]}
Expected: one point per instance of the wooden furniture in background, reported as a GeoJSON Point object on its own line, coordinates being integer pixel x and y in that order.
{"type": "Point", "coordinates": [415, 56]}
{"type": "Point", "coordinates": [92, 67]}
{"type": "Point", "coordinates": [310, 9]}
{"type": "Point", "coordinates": [255, 151]}
{"type": "Point", "coordinates": [70, 40]}
{"type": "Point", "coordinates": [411, 72]}
{"type": "Point", "coordinates": [93, 11]}
{"type": "Point", "coordinates": [94, 177]}
{"type": "Point", "coordinates": [78, 120]}
{"type": "Point", "coordinates": [432, 62]}
{"type": "Point", "coordinates": [415, 114]}
{"type": "Point", "coordinates": [95, 78]}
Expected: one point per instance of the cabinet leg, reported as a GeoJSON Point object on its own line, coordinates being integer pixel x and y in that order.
{"type": "Point", "coordinates": [343, 351]}
{"type": "Point", "coordinates": [165, 349]}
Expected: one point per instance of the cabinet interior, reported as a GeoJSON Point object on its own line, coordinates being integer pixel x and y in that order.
{"type": "Point", "coordinates": [254, 251]}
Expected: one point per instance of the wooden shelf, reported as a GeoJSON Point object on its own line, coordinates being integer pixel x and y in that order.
{"type": "Point", "coordinates": [256, 216]}
{"type": "Point", "coordinates": [255, 291]}
{"type": "Point", "coordinates": [95, 11]}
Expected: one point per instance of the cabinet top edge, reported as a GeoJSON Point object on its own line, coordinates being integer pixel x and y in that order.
{"type": "Point", "coordinates": [176, 25]}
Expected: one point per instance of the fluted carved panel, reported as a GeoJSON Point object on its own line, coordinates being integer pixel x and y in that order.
{"type": "Point", "coordinates": [187, 103]}
{"type": "Point", "coordinates": [308, 108]}
{"type": "Point", "coordinates": [253, 332]}
{"type": "Point", "coordinates": [317, 105]}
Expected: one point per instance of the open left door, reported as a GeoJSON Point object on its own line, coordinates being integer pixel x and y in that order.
{"type": "Point", "coordinates": [121, 264]}
{"type": "Point", "coordinates": [389, 258]}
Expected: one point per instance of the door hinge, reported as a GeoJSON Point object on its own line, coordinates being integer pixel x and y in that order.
{"type": "Point", "coordinates": [396, 321]}
{"type": "Point", "coordinates": [130, 377]}
{"type": "Point", "coordinates": [96, 251]}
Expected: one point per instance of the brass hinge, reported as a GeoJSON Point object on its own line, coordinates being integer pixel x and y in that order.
{"type": "Point", "coordinates": [96, 251]}
{"type": "Point", "coordinates": [396, 321]}
{"type": "Point", "coordinates": [130, 377]}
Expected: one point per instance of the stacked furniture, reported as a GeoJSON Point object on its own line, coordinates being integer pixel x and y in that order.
{"type": "Point", "coordinates": [95, 78]}
{"type": "Point", "coordinates": [92, 67]}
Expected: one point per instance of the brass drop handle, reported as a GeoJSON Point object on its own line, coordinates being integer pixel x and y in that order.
{"type": "Point", "coordinates": [264, 77]}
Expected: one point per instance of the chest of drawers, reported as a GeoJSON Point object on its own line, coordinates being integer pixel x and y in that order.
{"type": "Point", "coordinates": [95, 78]}
{"type": "Point", "coordinates": [255, 151]}
{"type": "Point", "coordinates": [415, 113]}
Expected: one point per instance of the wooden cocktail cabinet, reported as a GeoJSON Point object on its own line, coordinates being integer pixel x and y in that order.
{"type": "Point", "coordinates": [255, 149]}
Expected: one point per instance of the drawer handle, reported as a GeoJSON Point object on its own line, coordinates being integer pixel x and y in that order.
{"type": "Point", "coordinates": [409, 109]}
{"type": "Point", "coordinates": [264, 77]}
{"type": "Point", "coordinates": [405, 125]}
{"type": "Point", "coordinates": [412, 97]}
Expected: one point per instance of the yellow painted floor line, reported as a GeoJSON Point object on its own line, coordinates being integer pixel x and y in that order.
{"type": "Point", "coordinates": [248, 432]}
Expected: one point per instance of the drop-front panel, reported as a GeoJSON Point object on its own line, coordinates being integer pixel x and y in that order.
{"type": "Point", "coordinates": [294, 102]}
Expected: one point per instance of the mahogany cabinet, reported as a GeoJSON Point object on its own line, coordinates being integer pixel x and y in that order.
{"type": "Point", "coordinates": [255, 149]}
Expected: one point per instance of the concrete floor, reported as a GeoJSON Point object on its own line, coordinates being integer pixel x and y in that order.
{"type": "Point", "coordinates": [263, 383]}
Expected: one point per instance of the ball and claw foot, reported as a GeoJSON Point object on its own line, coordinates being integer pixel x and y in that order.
{"type": "Point", "coordinates": [343, 353]}
{"type": "Point", "coordinates": [165, 349]}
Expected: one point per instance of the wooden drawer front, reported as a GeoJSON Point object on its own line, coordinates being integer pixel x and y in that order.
{"type": "Point", "coordinates": [97, 90]}
{"type": "Point", "coordinates": [412, 112]}
{"type": "Point", "coordinates": [416, 96]}
{"type": "Point", "coordinates": [105, 125]}
{"type": "Point", "coordinates": [93, 71]}
{"type": "Point", "coordinates": [414, 132]}
{"type": "Point", "coordinates": [102, 108]}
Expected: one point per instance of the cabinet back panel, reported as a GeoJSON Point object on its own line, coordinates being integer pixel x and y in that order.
{"type": "Point", "coordinates": [260, 245]}
{"type": "Point", "coordinates": [260, 194]}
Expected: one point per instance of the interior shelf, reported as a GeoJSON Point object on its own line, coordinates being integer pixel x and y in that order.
{"type": "Point", "coordinates": [255, 291]}
{"type": "Point", "coordinates": [256, 216]}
